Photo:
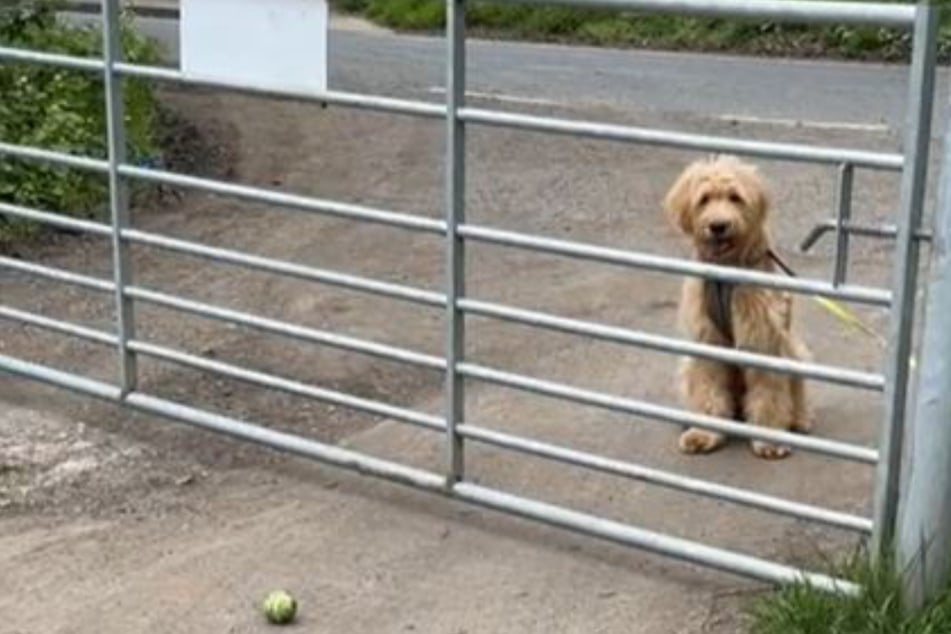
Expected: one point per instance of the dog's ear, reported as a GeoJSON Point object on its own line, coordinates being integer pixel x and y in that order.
{"type": "Point", "coordinates": [756, 190]}
{"type": "Point", "coordinates": [678, 202]}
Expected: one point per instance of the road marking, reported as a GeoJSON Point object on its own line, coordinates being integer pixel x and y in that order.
{"type": "Point", "coordinates": [497, 96]}
{"type": "Point", "coordinates": [797, 123]}
{"type": "Point", "coordinates": [729, 118]}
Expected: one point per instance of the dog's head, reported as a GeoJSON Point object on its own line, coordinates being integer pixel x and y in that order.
{"type": "Point", "coordinates": [722, 205]}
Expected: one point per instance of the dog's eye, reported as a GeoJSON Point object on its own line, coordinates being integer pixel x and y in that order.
{"type": "Point", "coordinates": [735, 198]}
{"type": "Point", "coordinates": [704, 200]}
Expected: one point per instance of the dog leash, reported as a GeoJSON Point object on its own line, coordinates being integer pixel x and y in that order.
{"type": "Point", "coordinates": [836, 309]}
{"type": "Point", "coordinates": [720, 299]}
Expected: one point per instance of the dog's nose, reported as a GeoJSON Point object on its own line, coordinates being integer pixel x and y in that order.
{"type": "Point", "coordinates": [719, 228]}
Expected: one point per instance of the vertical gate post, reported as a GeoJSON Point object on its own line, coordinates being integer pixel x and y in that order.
{"type": "Point", "coordinates": [924, 529]}
{"type": "Point", "coordinates": [455, 246]}
{"type": "Point", "coordinates": [843, 216]}
{"type": "Point", "coordinates": [118, 191]}
{"type": "Point", "coordinates": [904, 287]}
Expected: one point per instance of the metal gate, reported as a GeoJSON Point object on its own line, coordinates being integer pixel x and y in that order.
{"type": "Point", "coordinates": [456, 304]}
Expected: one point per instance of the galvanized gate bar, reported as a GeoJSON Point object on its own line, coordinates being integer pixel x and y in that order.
{"type": "Point", "coordinates": [455, 210]}
{"type": "Point", "coordinates": [271, 265]}
{"type": "Point", "coordinates": [288, 201]}
{"type": "Point", "coordinates": [329, 454]}
{"type": "Point", "coordinates": [684, 140]}
{"type": "Point", "coordinates": [659, 543]}
{"type": "Point", "coordinates": [54, 158]}
{"type": "Point", "coordinates": [58, 378]}
{"type": "Point", "coordinates": [843, 215]}
{"type": "Point", "coordinates": [271, 381]}
{"type": "Point", "coordinates": [72, 62]}
{"type": "Point", "coordinates": [278, 327]}
{"type": "Point", "coordinates": [667, 479]}
{"type": "Point", "coordinates": [672, 345]}
{"type": "Point", "coordinates": [118, 191]}
{"type": "Point", "coordinates": [799, 11]}
{"type": "Point", "coordinates": [55, 220]}
{"type": "Point", "coordinates": [57, 275]}
{"type": "Point", "coordinates": [883, 230]}
{"type": "Point", "coordinates": [57, 325]}
{"type": "Point", "coordinates": [664, 264]}
{"type": "Point", "coordinates": [158, 73]}
{"type": "Point", "coordinates": [900, 335]}
{"type": "Point", "coordinates": [670, 415]}
{"type": "Point", "coordinates": [377, 103]}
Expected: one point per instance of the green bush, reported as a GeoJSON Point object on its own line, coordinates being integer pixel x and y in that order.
{"type": "Point", "coordinates": [604, 27]}
{"type": "Point", "coordinates": [64, 110]}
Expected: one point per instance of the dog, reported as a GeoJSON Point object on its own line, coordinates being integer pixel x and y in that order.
{"type": "Point", "coordinates": [722, 205]}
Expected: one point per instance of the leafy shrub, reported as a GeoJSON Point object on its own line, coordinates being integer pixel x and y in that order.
{"type": "Point", "coordinates": [350, 6]}
{"type": "Point", "coordinates": [651, 30]}
{"type": "Point", "coordinates": [64, 110]}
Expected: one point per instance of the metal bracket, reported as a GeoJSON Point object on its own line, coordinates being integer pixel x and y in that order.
{"type": "Point", "coordinates": [885, 231]}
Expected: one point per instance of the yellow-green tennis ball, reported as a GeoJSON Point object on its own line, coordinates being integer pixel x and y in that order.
{"type": "Point", "coordinates": [280, 607]}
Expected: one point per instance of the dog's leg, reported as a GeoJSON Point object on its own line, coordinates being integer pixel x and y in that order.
{"type": "Point", "coordinates": [802, 420]}
{"type": "Point", "coordinates": [802, 417]}
{"type": "Point", "coordinates": [707, 389]}
{"type": "Point", "coordinates": [762, 320]}
{"type": "Point", "coordinates": [769, 402]}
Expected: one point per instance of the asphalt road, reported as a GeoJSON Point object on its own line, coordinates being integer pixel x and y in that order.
{"type": "Point", "coordinates": [816, 93]}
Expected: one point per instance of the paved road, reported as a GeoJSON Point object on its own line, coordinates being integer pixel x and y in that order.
{"type": "Point", "coordinates": [829, 94]}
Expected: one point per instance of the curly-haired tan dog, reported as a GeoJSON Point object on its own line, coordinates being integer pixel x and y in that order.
{"type": "Point", "coordinates": [722, 205]}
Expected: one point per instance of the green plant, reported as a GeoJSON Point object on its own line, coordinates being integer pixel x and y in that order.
{"type": "Point", "coordinates": [802, 609]}
{"type": "Point", "coordinates": [350, 6]}
{"type": "Point", "coordinates": [64, 110]}
{"type": "Point", "coordinates": [605, 27]}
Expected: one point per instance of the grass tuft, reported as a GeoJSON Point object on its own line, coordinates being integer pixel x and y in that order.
{"type": "Point", "coordinates": [801, 609]}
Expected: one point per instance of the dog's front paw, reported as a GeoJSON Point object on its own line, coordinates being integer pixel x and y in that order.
{"type": "Point", "coordinates": [695, 441]}
{"type": "Point", "coordinates": [769, 451]}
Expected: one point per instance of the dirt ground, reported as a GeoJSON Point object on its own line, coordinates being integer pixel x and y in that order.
{"type": "Point", "coordinates": [115, 522]}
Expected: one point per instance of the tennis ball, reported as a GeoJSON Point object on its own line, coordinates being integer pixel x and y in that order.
{"type": "Point", "coordinates": [280, 607]}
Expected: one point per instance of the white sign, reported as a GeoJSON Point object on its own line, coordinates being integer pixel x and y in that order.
{"type": "Point", "coordinates": [279, 45]}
